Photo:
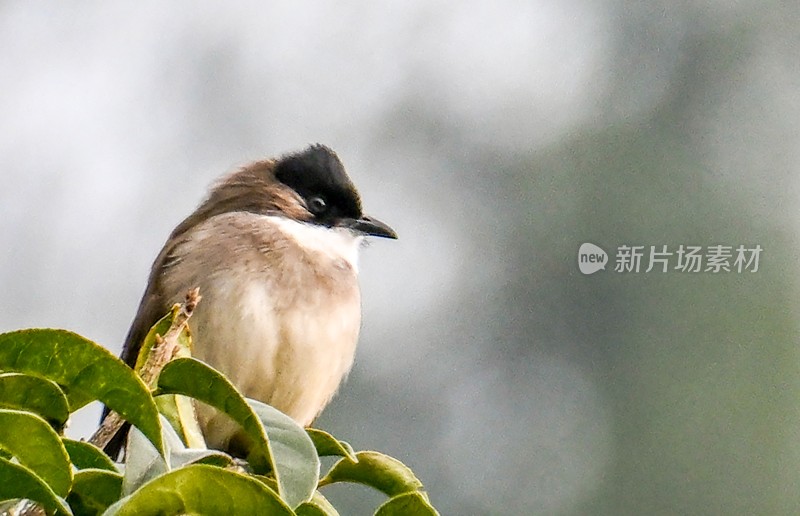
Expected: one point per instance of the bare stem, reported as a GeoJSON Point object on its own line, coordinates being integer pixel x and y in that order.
{"type": "Point", "coordinates": [162, 352]}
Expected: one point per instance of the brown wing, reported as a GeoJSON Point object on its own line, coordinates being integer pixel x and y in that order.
{"type": "Point", "coordinates": [152, 307]}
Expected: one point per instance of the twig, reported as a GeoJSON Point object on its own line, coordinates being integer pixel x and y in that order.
{"type": "Point", "coordinates": [165, 347]}
{"type": "Point", "coordinates": [162, 352]}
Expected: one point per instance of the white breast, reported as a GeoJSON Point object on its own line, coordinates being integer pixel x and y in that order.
{"type": "Point", "coordinates": [280, 318]}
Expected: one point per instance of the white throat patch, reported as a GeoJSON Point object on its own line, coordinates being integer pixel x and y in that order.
{"type": "Point", "coordinates": [335, 242]}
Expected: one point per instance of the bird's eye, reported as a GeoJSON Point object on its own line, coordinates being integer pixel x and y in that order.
{"type": "Point", "coordinates": [317, 205]}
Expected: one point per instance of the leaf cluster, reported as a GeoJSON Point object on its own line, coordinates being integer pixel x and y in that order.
{"type": "Point", "coordinates": [47, 374]}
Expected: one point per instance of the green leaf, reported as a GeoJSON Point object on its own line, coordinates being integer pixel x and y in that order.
{"type": "Point", "coordinates": [34, 394]}
{"type": "Point", "coordinates": [295, 460]}
{"type": "Point", "coordinates": [37, 446]}
{"type": "Point", "coordinates": [180, 413]}
{"type": "Point", "coordinates": [87, 456]}
{"type": "Point", "coordinates": [197, 380]}
{"type": "Point", "coordinates": [328, 445]}
{"type": "Point", "coordinates": [21, 482]}
{"type": "Point", "coordinates": [201, 489]}
{"type": "Point", "coordinates": [310, 509]}
{"type": "Point", "coordinates": [405, 504]}
{"type": "Point", "coordinates": [143, 462]}
{"type": "Point", "coordinates": [384, 473]}
{"type": "Point", "coordinates": [87, 372]}
{"type": "Point", "coordinates": [180, 458]}
{"type": "Point", "coordinates": [317, 506]}
{"type": "Point", "coordinates": [93, 491]}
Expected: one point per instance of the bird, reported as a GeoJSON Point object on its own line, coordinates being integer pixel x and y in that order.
{"type": "Point", "coordinates": [273, 249]}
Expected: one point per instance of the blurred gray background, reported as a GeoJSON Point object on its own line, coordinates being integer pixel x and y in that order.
{"type": "Point", "coordinates": [496, 138]}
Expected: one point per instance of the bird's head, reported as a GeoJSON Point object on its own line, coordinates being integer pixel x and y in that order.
{"type": "Point", "coordinates": [322, 188]}
{"type": "Point", "coordinates": [309, 186]}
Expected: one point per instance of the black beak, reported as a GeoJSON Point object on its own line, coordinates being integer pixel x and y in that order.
{"type": "Point", "coordinates": [371, 227]}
